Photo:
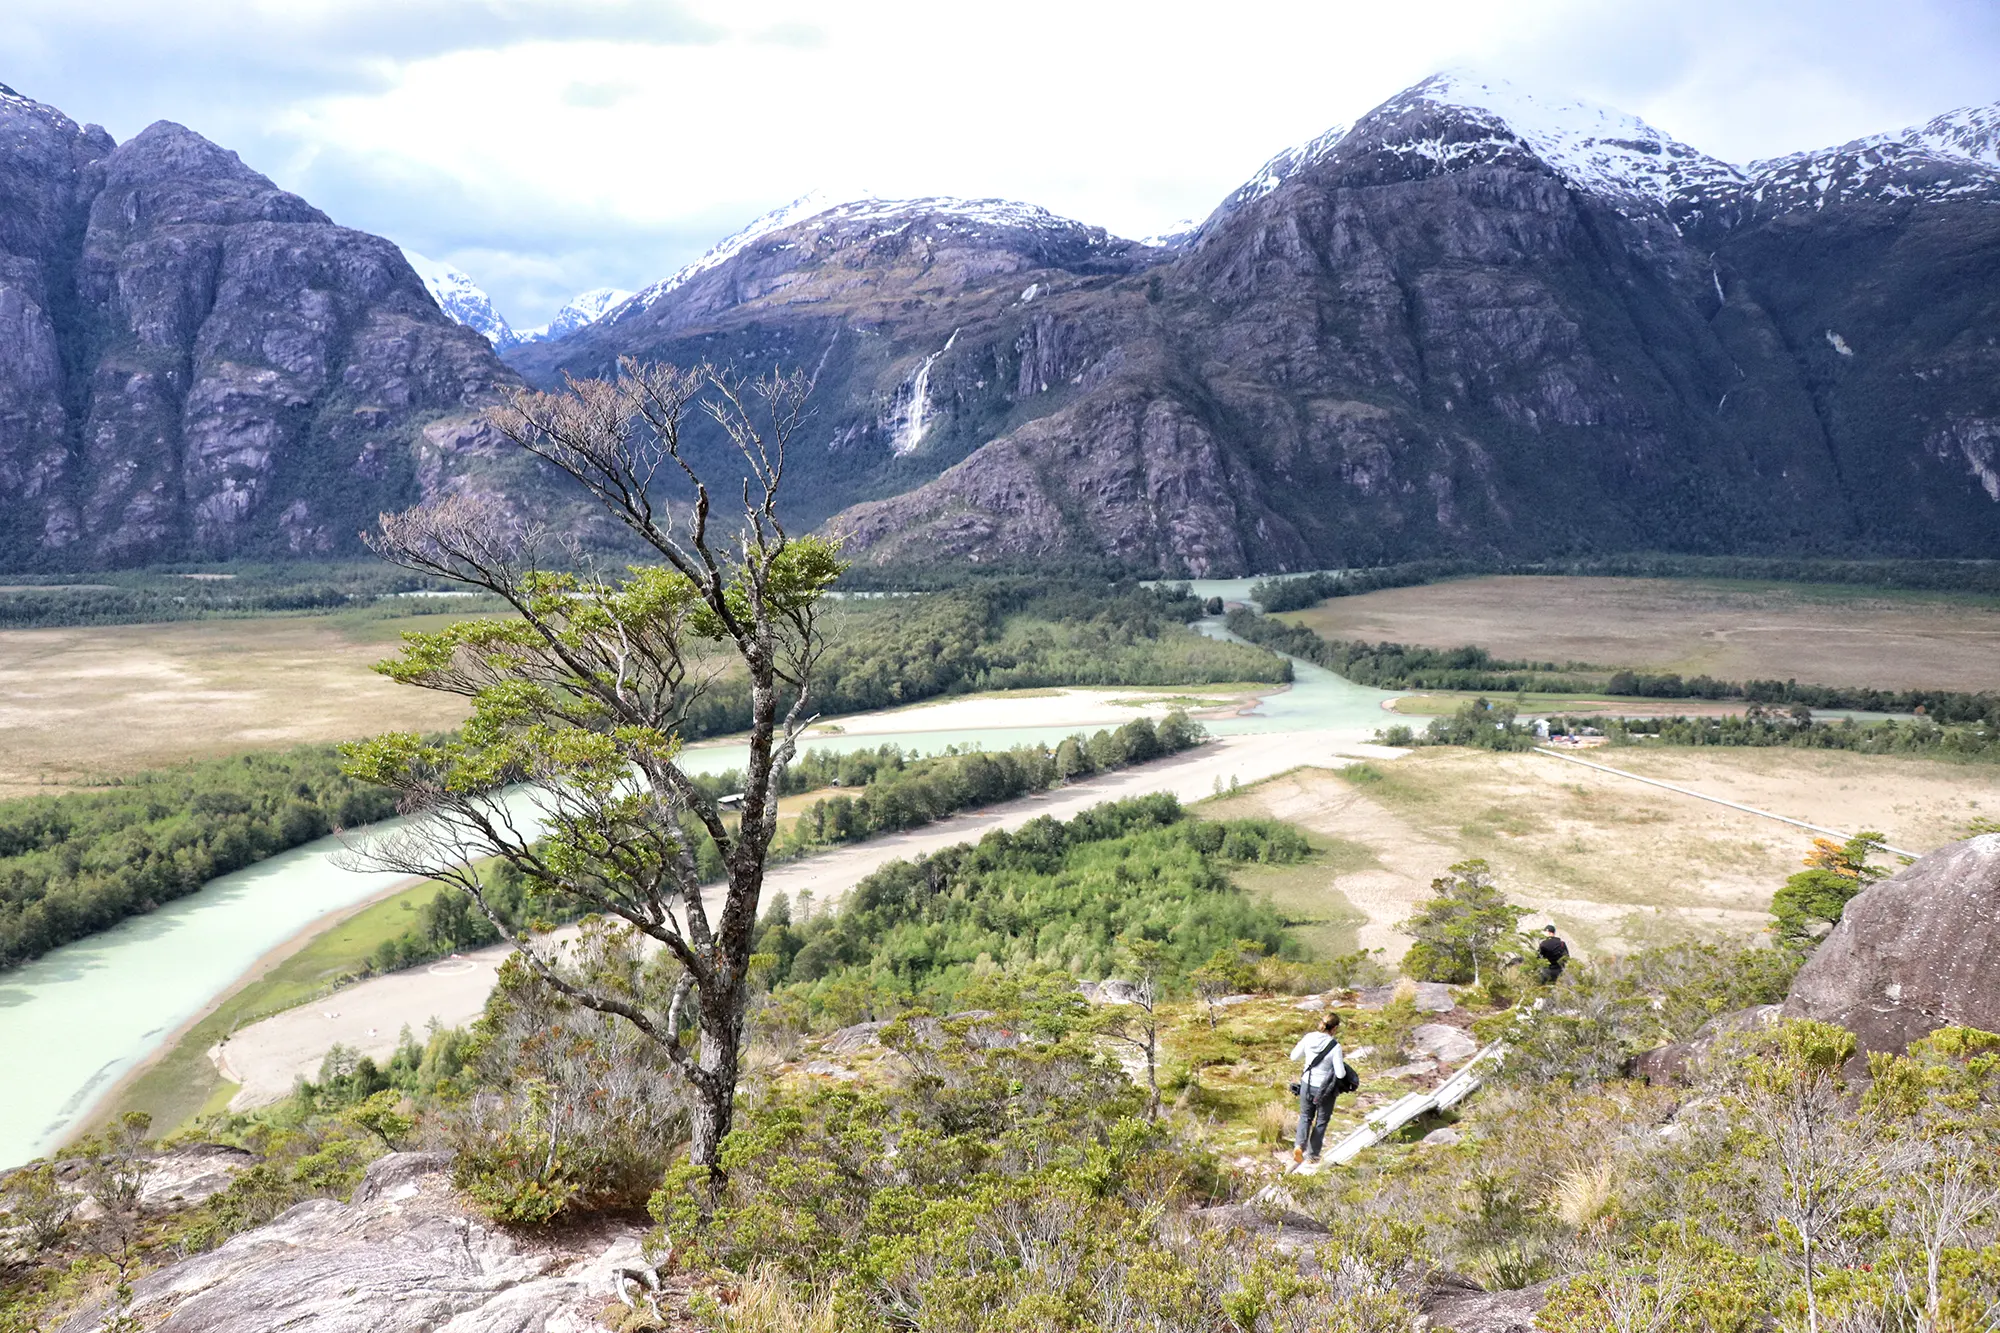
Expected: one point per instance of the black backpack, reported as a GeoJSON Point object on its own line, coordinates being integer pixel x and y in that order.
{"type": "Point", "coordinates": [1346, 1081]}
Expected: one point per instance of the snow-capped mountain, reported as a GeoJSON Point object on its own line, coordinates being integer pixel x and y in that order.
{"type": "Point", "coordinates": [582, 311]}
{"type": "Point", "coordinates": [1461, 118]}
{"type": "Point", "coordinates": [461, 298]}
{"type": "Point", "coordinates": [819, 213]}
{"type": "Point", "coordinates": [1955, 156]}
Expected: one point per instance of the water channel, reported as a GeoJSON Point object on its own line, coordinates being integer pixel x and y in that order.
{"type": "Point", "coordinates": [76, 1020]}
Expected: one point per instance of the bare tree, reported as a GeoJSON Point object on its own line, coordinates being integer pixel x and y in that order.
{"type": "Point", "coordinates": [583, 696]}
{"type": "Point", "coordinates": [1135, 1020]}
{"type": "Point", "coordinates": [1938, 1203]}
{"type": "Point", "coordinates": [1817, 1163]}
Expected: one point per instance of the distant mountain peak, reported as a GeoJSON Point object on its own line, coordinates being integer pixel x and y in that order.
{"type": "Point", "coordinates": [1597, 149]}
{"type": "Point", "coordinates": [582, 310]}
{"type": "Point", "coordinates": [893, 215]}
{"type": "Point", "coordinates": [462, 298]}
{"type": "Point", "coordinates": [1953, 156]}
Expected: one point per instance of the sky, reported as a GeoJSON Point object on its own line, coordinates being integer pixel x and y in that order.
{"type": "Point", "coordinates": [550, 146]}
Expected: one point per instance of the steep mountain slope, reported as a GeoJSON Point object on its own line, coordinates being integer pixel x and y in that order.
{"type": "Point", "coordinates": [926, 322]}
{"type": "Point", "coordinates": [1480, 321]}
{"type": "Point", "coordinates": [195, 363]}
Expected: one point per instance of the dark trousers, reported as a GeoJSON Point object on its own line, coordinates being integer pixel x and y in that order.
{"type": "Point", "coordinates": [1315, 1106]}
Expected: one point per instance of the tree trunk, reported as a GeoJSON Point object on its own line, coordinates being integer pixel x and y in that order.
{"type": "Point", "coordinates": [714, 1102]}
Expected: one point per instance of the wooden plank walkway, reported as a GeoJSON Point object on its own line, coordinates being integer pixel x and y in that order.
{"type": "Point", "coordinates": [1383, 1122]}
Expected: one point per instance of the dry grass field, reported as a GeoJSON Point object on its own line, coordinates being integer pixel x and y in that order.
{"type": "Point", "coordinates": [1617, 864]}
{"type": "Point", "coordinates": [79, 705]}
{"type": "Point", "coordinates": [1736, 631]}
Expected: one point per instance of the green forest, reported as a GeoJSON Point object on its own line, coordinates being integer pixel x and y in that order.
{"type": "Point", "coordinates": [81, 862]}
{"type": "Point", "coordinates": [1068, 896]}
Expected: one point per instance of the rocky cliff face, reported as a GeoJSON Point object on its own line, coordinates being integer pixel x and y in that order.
{"type": "Point", "coordinates": [1478, 321]}
{"type": "Point", "coordinates": [194, 363]}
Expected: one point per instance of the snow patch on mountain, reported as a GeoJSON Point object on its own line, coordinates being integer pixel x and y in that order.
{"type": "Point", "coordinates": [1954, 156]}
{"type": "Point", "coordinates": [1275, 172]}
{"type": "Point", "coordinates": [801, 208]}
{"type": "Point", "coordinates": [1597, 149]}
{"type": "Point", "coordinates": [461, 298]}
{"type": "Point", "coordinates": [582, 311]}
{"type": "Point", "coordinates": [889, 216]}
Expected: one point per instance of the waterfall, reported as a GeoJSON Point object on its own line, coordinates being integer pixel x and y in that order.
{"type": "Point", "coordinates": [910, 427]}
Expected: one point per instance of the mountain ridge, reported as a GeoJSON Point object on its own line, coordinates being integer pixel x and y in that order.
{"type": "Point", "coordinates": [1479, 320]}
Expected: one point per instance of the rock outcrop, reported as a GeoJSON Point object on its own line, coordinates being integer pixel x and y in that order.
{"type": "Point", "coordinates": [1912, 953]}
{"type": "Point", "coordinates": [195, 363]}
{"type": "Point", "coordinates": [1682, 1061]}
{"type": "Point", "coordinates": [402, 1257]}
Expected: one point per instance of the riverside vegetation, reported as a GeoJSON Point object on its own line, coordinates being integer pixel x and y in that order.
{"type": "Point", "coordinates": [78, 863]}
{"type": "Point", "coordinates": [890, 791]}
{"type": "Point", "coordinates": [996, 1169]}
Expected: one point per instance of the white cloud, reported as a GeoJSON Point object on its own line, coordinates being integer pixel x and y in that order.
{"type": "Point", "coordinates": [546, 146]}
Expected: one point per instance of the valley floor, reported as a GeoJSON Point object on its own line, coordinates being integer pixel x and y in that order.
{"type": "Point", "coordinates": [266, 1057]}
{"type": "Point", "coordinates": [1816, 633]}
{"type": "Point", "coordinates": [1615, 863]}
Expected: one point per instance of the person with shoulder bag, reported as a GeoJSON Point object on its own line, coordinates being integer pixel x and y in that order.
{"type": "Point", "coordinates": [1325, 1077]}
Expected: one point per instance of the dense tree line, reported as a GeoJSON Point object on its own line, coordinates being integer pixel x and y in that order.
{"type": "Point", "coordinates": [1937, 705]}
{"type": "Point", "coordinates": [1396, 666]}
{"type": "Point", "coordinates": [127, 597]}
{"type": "Point", "coordinates": [892, 790]}
{"type": "Point", "coordinates": [79, 863]}
{"type": "Point", "coordinates": [1799, 731]}
{"type": "Point", "coordinates": [1061, 895]}
{"type": "Point", "coordinates": [1298, 591]}
{"type": "Point", "coordinates": [1005, 635]}
{"type": "Point", "coordinates": [898, 791]}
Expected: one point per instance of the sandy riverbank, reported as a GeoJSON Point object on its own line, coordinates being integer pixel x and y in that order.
{"type": "Point", "coordinates": [1082, 708]}
{"type": "Point", "coordinates": [267, 1057]}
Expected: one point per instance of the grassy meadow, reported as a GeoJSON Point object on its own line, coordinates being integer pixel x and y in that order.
{"type": "Point", "coordinates": [1734, 630]}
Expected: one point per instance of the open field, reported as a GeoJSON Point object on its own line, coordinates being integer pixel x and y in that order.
{"type": "Point", "coordinates": [83, 704]}
{"type": "Point", "coordinates": [1616, 863]}
{"type": "Point", "coordinates": [1820, 634]}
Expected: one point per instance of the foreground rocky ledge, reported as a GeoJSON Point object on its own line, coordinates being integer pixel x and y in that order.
{"type": "Point", "coordinates": [402, 1257]}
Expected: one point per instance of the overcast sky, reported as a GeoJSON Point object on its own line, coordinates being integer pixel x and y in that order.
{"type": "Point", "coordinates": [547, 146]}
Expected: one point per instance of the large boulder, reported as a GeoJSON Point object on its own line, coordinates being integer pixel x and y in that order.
{"type": "Point", "coordinates": [1913, 953]}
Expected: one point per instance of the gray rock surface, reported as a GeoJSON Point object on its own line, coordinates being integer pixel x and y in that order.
{"type": "Point", "coordinates": [1682, 1061]}
{"type": "Point", "coordinates": [402, 1257]}
{"type": "Point", "coordinates": [1912, 953]}
{"type": "Point", "coordinates": [1292, 1232]}
{"type": "Point", "coordinates": [1443, 1043]}
{"type": "Point", "coordinates": [1430, 997]}
{"type": "Point", "coordinates": [1460, 1305]}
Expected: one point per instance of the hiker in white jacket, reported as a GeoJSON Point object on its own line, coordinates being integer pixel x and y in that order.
{"type": "Point", "coordinates": [1320, 1056]}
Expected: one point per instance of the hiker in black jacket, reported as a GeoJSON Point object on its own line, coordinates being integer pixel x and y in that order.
{"type": "Point", "coordinates": [1555, 954]}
